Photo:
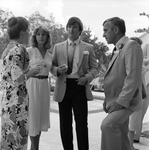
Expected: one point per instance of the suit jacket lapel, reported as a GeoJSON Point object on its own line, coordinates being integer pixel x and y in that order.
{"type": "Point", "coordinates": [124, 41]}
{"type": "Point", "coordinates": [112, 61]}
{"type": "Point", "coordinates": [65, 50]}
{"type": "Point", "coordinates": [81, 49]}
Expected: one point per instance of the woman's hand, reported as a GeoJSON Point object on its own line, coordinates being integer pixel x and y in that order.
{"type": "Point", "coordinates": [36, 70]}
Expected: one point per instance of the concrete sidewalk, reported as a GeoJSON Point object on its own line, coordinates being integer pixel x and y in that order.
{"type": "Point", "coordinates": [51, 140]}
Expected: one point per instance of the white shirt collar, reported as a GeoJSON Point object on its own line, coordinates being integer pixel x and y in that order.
{"type": "Point", "coordinates": [120, 41]}
{"type": "Point", "coordinates": [76, 41]}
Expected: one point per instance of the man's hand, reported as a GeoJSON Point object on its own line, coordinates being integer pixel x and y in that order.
{"type": "Point", "coordinates": [62, 69]}
{"type": "Point", "coordinates": [114, 106]}
{"type": "Point", "coordinates": [82, 80]}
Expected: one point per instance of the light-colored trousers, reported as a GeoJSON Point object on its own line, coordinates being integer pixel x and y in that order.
{"type": "Point", "coordinates": [141, 114]}
{"type": "Point", "coordinates": [115, 130]}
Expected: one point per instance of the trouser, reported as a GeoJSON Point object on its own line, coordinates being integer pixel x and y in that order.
{"type": "Point", "coordinates": [115, 130]}
{"type": "Point", "coordinates": [74, 103]}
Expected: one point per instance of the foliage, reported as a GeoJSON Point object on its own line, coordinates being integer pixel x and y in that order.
{"type": "Point", "coordinates": [99, 47]}
{"type": "Point", "coordinates": [58, 33]}
{"type": "Point", "coordinates": [143, 29]}
{"type": "Point", "coordinates": [98, 82]}
{"type": "Point", "coordinates": [4, 15]}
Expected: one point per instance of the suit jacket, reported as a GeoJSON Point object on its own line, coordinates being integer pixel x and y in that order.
{"type": "Point", "coordinates": [87, 66]}
{"type": "Point", "coordinates": [122, 81]}
{"type": "Point", "coordinates": [146, 56]}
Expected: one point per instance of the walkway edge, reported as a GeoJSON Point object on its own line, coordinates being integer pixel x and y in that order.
{"type": "Point", "coordinates": [98, 95]}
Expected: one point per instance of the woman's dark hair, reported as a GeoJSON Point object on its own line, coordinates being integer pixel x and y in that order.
{"type": "Point", "coordinates": [116, 21]}
{"type": "Point", "coordinates": [74, 20]}
{"type": "Point", "coordinates": [48, 42]}
{"type": "Point", "coordinates": [137, 40]}
{"type": "Point", "coordinates": [15, 26]}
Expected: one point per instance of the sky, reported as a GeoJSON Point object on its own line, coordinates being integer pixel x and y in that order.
{"type": "Point", "coordinates": [91, 12]}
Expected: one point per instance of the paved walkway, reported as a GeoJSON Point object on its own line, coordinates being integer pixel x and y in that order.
{"type": "Point", "coordinates": [51, 140]}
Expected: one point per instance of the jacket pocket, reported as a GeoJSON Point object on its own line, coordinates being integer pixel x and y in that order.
{"type": "Point", "coordinates": [136, 93]}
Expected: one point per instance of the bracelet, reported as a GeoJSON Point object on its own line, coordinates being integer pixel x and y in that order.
{"type": "Point", "coordinates": [25, 77]}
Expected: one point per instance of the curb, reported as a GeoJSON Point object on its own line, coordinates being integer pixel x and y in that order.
{"type": "Point", "coordinates": [98, 95]}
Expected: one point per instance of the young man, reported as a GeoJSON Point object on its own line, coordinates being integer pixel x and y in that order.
{"type": "Point", "coordinates": [122, 85]}
{"type": "Point", "coordinates": [72, 85]}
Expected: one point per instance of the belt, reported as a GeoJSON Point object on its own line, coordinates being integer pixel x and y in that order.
{"type": "Point", "coordinates": [40, 77]}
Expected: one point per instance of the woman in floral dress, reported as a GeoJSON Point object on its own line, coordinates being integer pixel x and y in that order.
{"type": "Point", "coordinates": [15, 72]}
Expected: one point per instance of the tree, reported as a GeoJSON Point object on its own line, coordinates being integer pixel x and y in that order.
{"type": "Point", "coordinates": [4, 15]}
{"type": "Point", "coordinates": [144, 29]}
{"type": "Point", "coordinates": [36, 19]}
{"type": "Point", "coordinates": [99, 47]}
{"type": "Point", "coordinates": [58, 33]}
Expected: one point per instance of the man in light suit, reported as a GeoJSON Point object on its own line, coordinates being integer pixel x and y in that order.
{"type": "Point", "coordinates": [122, 85]}
{"type": "Point", "coordinates": [72, 88]}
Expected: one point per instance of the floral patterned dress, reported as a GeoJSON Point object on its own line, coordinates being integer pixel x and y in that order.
{"type": "Point", "coordinates": [14, 115]}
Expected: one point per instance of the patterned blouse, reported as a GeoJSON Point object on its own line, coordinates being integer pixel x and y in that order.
{"type": "Point", "coordinates": [14, 103]}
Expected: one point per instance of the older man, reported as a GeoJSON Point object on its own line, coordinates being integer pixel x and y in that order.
{"type": "Point", "coordinates": [122, 85]}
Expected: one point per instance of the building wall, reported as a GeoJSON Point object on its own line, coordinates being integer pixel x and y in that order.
{"type": "Point", "coordinates": [144, 38]}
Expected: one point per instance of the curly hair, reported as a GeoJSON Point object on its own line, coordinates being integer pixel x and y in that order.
{"type": "Point", "coordinates": [48, 43]}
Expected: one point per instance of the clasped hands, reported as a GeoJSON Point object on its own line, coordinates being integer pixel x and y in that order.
{"type": "Point", "coordinates": [114, 106]}
{"type": "Point", "coordinates": [62, 69]}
